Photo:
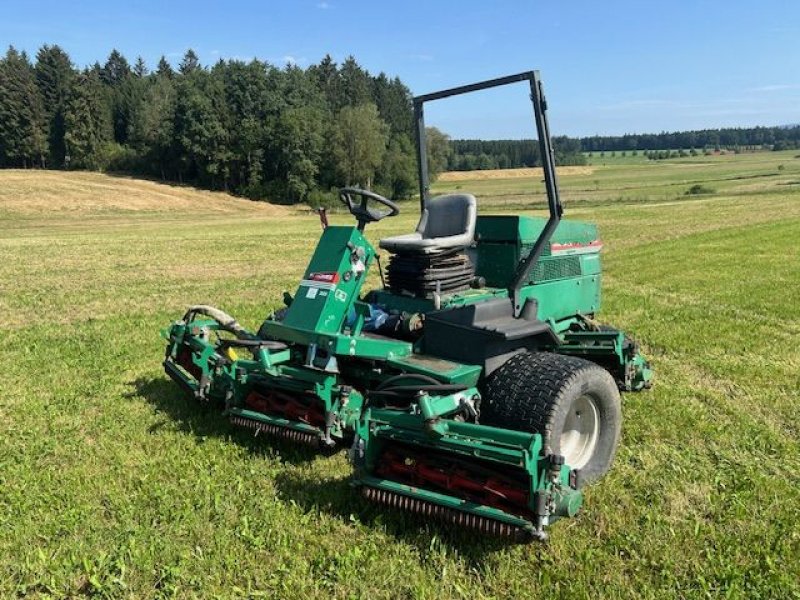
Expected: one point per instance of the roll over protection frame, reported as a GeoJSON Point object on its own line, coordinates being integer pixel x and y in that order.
{"type": "Point", "coordinates": [526, 265]}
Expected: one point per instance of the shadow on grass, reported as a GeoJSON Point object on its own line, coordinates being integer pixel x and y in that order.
{"type": "Point", "coordinates": [339, 499]}
{"type": "Point", "coordinates": [206, 420]}
{"type": "Point", "coordinates": [333, 496]}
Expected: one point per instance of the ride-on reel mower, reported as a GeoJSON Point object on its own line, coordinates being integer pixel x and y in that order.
{"type": "Point", "coordinates": [474, 386]}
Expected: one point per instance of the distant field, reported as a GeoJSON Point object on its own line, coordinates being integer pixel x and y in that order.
{"type": "Point", "coordinates": [643, 181]}
{"type": "Point", "coordinates": [494, 174]}
{"type": "Point", "coordinates": [112, 484]}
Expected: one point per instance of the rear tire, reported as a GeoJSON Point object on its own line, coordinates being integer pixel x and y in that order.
{"type": "Point", "coordinates": [573, 403]}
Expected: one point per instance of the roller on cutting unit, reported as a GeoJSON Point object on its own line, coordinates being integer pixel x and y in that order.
{"type": "Point", "coordinates": [475, 387]}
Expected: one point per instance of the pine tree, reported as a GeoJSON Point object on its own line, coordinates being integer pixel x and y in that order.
{"type": "Point", "coordinates": [54, 76]}
{"type": "Point", "coordinates": [116, 74]}
{"type": "Point", "coordinates": [200, 132]}
{"type": "Point", "coordinates": [88, 122]}
{"type": "Point", "coordinates": [328, 80]}
{"type": "Point", "coordinates": [116, 70]}
{"type": "Point", "coordinates": [246, 95]}
{"type": "Point", "coordinates": [297, 140]}
{"type": "Point", "coordinates": [152, 125]}
{"type": "Point", "coordinates": [356, 84]}
{"type": "Point", "coordinates": [23, 139]}
{"type": "Point", "coordinates": [393, 99]}
{"type": "Point", "coordinates": [140, 68]}
{"type": "Point", "coordinates": [190, 63]}
{"type": "Point", "coordinates": [164, 69]}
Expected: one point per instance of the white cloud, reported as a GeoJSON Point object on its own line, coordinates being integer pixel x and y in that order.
{"type": "Point", "coordinates": [323, 5]}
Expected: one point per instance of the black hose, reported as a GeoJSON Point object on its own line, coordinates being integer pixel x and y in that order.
{"type": "Point", "coordinates": [427, 379]}
{"type": "Point", "coordinates": [386, 390]}
{"type": "Point", "coordinates": [404, 390]}
{"type": "Point", "coordinates": [226, 322]}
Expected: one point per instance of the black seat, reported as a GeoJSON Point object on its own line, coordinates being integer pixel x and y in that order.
{"type": "Point", "coordinates": [446, 223]}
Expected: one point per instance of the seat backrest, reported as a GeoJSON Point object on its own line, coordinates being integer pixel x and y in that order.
{"type": "Point", "coordinates": [449, 215]}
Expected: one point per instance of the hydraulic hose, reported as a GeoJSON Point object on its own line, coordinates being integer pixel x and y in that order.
{"type": "Point", "coordinates": [226, 322]}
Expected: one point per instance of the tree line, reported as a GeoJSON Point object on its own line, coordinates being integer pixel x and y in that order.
{"type": "Point", "coordinates": [286, 134]}
{"type": "Point", "coordinates": [468, 155]}
{"type": "Point", "coordinates": [731, 138]}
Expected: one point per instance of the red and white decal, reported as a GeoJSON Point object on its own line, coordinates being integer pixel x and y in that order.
{"type": "Point", "coordinates": [320, 281]}
{"type": "Point", "coordinates": [576, 247]}
{"type": "Point", "coordinates": [324, 277]}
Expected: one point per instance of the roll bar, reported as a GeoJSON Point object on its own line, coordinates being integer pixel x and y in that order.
{"type": "Point", "coordinates": [525, 266]}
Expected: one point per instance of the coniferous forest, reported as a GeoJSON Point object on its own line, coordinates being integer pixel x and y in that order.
{"type": "Point", "coordinates": [283, 134]}
{"type": "Point", "coordinates": [251, 128]}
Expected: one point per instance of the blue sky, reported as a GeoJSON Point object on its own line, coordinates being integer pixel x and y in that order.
{"type": "Point", "coordinates": [608, 67]}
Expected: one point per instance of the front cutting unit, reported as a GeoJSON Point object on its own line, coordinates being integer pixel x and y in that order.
{"type": "Point", "coordinates": [475, 386]}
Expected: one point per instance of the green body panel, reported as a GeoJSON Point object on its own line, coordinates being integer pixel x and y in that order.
{"type": "Point", "coordinates": [438, 368]}
{"type": "Point", "coordinates": [331, 282]}
{"type": "Point", "coordinates": [504, 240]}
{"type": "Point", "coordinates": [559, 301]}
{"type": "Point", "coordinates": [342, 344]}
{"type": "Point", "coordinates": [328, 294]}
{"type": "Point", "coordinates": [503, 228]}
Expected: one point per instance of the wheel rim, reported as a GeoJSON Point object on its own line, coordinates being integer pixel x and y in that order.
{"type": "Point", "coordinates": [580, 433]}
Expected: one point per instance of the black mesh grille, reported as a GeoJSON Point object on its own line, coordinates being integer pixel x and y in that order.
{"type": "Point", "coordinates": [526, 249]}
{"type": "Point", "coordinates": [557, 267]}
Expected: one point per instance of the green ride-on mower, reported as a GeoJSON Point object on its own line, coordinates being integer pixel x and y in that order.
{"type": "Point", "coordinates": [475, 386]}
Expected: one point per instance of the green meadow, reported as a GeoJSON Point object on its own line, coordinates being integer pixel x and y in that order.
{"type": "Point", "coordinates": [115, 485]}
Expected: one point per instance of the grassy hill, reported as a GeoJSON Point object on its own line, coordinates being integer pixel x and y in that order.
{"type": "Point", "coordinates": [81, 194]}
{"type": "Point", "coordinates": [113, 484]}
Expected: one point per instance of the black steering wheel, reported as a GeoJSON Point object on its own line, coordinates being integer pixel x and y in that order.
{"type": "Point", "coordinates": [361, 210]}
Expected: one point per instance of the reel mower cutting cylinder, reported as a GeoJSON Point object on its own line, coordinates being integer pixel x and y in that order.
{"type": "Point", "coordinates": [494, 480]}
{"type": "Point", "coordinates": [476, 388]}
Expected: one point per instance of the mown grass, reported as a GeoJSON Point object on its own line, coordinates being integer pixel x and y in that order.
{"type": "Point", "coordinates": [112, 484]}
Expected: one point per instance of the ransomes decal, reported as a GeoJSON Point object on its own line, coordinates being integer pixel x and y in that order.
{"type": "Point", "coordinates": [576, 247]}
{"type": "Point", "coordinates": [331, 277]}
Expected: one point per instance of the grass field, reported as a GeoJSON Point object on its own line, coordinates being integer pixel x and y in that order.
{"type": "Point", "coordinates": [112, 484]}
{"type": "Point", "coordinates": [636, 180]}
